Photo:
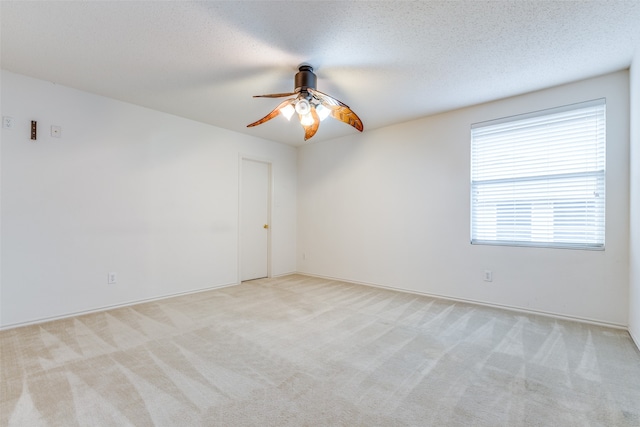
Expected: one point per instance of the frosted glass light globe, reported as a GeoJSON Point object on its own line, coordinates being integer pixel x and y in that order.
{"type": "Point", "coordinates": [303, 107]}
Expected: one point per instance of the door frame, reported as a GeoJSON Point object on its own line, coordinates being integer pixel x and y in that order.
{"type": "Point", "coordinates": [269, 163]}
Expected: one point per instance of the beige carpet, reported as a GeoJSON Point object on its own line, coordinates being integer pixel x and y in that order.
{"type": "Point", "coordinates": [301, 351]}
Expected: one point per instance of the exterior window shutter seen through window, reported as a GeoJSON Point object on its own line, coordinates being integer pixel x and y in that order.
{"type": "Point", "coordinates": [538, 179]}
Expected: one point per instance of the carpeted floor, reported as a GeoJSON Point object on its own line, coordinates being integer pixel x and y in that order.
{"type": "Point", "coordinates": [301, 351]}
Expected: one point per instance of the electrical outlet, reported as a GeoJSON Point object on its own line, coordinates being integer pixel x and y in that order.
{"type": "Point", "coordinates": [7, 122]}
{"type": "Point", "coordinates": [488, 276]}
{"type": "Point", "coordinates": [112, 278]}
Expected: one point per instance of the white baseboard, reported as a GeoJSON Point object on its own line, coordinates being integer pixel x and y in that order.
{"type": "Point", "coordinates": [482, 303]}
{"type": "Point", "coordinates": [109, 307]}
{"type": "Point", "coordinates": [635, 339]}
{"type": "Point", "coordinates": [376, 285]}
{"type": "Point", "coordinates": [284, 274]}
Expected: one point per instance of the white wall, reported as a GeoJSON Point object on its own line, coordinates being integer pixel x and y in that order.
{"type": "Point", "coordinates": [634, 264]}
{"type": "Point", "coordinates": [148, 195]}
{"type": "Point", "coordinates": [391, 207]}
{"type": "Point", "coordinates": [154, 197]}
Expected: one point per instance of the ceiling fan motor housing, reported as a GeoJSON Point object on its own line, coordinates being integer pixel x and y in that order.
{"type": "Point", "coordinates": [305, 78]}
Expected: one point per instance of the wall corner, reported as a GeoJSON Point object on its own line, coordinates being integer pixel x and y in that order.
{"type": "Point", "coordinates": [634, 199]}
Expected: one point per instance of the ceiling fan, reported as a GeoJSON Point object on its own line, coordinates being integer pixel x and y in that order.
{"type": "Point", "coordinates": [311, 105]}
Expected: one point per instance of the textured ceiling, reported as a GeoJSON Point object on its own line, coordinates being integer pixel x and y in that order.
{"type": "Point", "coordinates": [391, 61]}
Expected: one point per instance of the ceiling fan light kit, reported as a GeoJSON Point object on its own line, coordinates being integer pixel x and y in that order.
{"type": "Point", "coordinates": [311, 105]}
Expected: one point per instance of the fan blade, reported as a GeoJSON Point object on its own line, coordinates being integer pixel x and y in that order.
{"type": "Point", "coordinates": [346, 115]}
{"type": "Point", "coordinates": [272, 114]}
{"type": "Point", "coordinates": [274, 95]}
{"type": "Point", "coordinates": [339, 110]}
{"type": "Point", "coordinates": [311, 130]}
{"type": "Point", "coordinates": [328, 100]}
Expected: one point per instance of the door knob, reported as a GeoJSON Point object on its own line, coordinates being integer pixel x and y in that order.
{"type": "Point", "coordinates": [266, 226]}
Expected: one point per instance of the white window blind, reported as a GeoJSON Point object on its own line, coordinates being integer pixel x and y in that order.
{"type": "Point", "coordinates": [539, 179]}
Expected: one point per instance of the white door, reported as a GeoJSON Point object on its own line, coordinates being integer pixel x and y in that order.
{"type": "Point", "coordinates": [254, 226]}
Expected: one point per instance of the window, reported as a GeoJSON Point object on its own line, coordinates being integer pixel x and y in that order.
{"type": "Point", "coordinates": [538, 179]}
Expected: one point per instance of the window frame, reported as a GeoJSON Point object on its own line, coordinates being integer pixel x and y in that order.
{"type": "Point", "coordinates": [554, 210]}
